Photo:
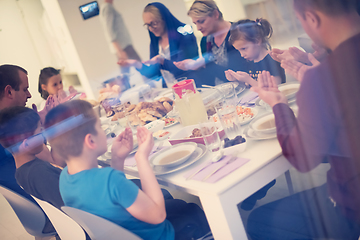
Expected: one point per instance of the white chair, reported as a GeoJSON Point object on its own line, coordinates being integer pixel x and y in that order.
{"type": "Point", "coordinates": [65, 226]}
{"type": "Point", "coordinates": [30, 215]}
{"type": "Point", "coordinates": [97, 227]}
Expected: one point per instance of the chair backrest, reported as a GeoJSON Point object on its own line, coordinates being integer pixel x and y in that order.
{"type": "Point", "coordinates": [30, 215]}
{"type": "Point", "coordinates": [65, 226]}
{"type": "Point", "coordinates": [97, 227]}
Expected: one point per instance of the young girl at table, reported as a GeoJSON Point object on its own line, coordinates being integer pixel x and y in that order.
{"type": "Point", "coordinates": [51, 84]}
{"type": "Point", "coordinates": [251, 39]}
{"type": "Point", "coordinates": [143, 211]}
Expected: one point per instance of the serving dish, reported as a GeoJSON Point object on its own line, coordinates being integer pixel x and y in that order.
{"type": "Point", "coordinates": [155, 126]}
{"type": "Point", "coordinates": [183, 134]}
{"type": "Point", "coordinates": [161, 135]}
{"type": "Point", "coordinates": [246, 114]}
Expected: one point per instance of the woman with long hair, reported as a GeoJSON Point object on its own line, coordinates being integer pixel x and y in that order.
{"type": "Point", "coordinates": [170, 41]}
{"type": "Point", "coordinates": [218, 53]}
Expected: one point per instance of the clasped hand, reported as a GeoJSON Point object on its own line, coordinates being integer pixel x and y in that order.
{"type": "Point", "coordinates": [268, 90]}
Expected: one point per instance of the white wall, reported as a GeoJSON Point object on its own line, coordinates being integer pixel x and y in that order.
{"type": "Point", "coordinates": [21, 40]}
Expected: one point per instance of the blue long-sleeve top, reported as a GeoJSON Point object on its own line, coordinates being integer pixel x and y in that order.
{"type": "Point", "coordinates": [182, 43]}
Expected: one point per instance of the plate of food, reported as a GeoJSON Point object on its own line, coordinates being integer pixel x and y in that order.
{"type": "Point", "coordinates": [169, 121]}
{"type": "Point", "coordinates": [246, 114]}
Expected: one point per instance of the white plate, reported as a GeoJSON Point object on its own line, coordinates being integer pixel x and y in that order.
{"type": "Point", "coordinates": [249, 133]}
{"type": "Point", "coordinates": [197, 154]}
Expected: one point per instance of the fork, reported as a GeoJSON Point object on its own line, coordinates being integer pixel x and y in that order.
{"type": "Point", "coordinates": [232, 159]}
{"type": "Point", "coordinates": [217, 158]}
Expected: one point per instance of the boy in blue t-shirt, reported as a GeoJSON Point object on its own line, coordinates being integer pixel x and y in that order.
{"type": "Point", "coordinates": [75, 134]}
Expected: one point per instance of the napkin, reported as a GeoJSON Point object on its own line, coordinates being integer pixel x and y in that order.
{"type": "Point", "coordinates": [249, 99]}
{"type": "Point", "coordinates": [209, 167]}
{"type": "Point", "coordinates": [131, 162]}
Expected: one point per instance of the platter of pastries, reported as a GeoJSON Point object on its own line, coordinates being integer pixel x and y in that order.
{"type": "Point", "coordinates": [146, 112]}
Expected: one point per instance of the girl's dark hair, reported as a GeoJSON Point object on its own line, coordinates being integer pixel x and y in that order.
{"type": "Point", "coordinates": [256, 31]}
{"type": "Point", "coordinates": [44, 76]}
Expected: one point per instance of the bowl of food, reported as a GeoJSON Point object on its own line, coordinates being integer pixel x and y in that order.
{"type": "Point", "coordinates": [237, 144]}
{"type": "Point", "coordinates": [173, 156]}
{"type": "Point", "coordinates": [289, 89]}
{"type": "Point", "coordinates": [264, 124]}
{"type": "Point", "coordinates": [192, 133]}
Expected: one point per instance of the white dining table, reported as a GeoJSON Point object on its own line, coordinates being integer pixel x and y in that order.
{"type": "Point", "coordinates": [220, 199]}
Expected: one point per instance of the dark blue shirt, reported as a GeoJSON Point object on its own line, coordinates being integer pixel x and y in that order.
{"type": "Point", "coordinates": [7, 173]}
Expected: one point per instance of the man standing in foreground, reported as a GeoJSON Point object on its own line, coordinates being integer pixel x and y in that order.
{"type": "Point", "coordinates": [320, 132]}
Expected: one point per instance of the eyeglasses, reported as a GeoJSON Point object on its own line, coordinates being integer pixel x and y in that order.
{"type": "Point", "coordinates": [153, 24]}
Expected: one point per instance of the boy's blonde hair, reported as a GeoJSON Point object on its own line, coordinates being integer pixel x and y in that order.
{"type": "Point", "coordinates": [70, 139]}
{"type": "Point", "coordinates": [204, 8]}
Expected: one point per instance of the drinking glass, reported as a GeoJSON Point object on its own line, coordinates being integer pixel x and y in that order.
{"type": "Point", "coordinates": [168, 77]}
{"type": "Point", "coordinates": [229, 120]}
{"type": "Point", "coordinates": [229, 93]}
{"type": "Point", "coordinates": [133, 121]}
{"type": "Point", "coordinates": [146, 93]}
{"type": "Point", "coordinates": [211, 136]}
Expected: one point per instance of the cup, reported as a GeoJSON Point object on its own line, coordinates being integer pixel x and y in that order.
{"type": "Point", "coordinates": [211, 136]}
{"type": "Point", "coordinates": [168, 77]}
{"type": "Point", "coordinates": [133, 121]}
{"type": "Point", "coordinates": [229, 120]}
{"type": "Point", "coordinates": [229, 93]}
{"type": "Point", "coordinates": [146, 93]}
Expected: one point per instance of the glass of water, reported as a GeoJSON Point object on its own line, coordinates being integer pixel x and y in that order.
{"type": "Point", "coordinates": [229, 120]}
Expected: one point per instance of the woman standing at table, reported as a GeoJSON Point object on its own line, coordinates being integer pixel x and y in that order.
{"type": "Point", "coordinates": [218, 54]}
{"type": "Point", "coordinates": [170, 41]}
